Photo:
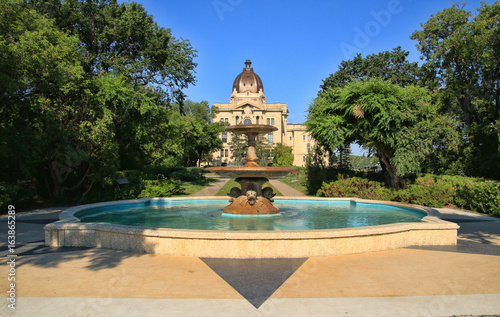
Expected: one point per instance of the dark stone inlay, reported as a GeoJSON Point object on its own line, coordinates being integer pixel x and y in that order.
{"type": "Point", "coordinates": [464, 247]}
{"type": "Point", "coordinates": [459, 220]}
{"type": "Point", "coordinates": [37, 247]}
{"type": "Point", "coordinates": [255, 279]}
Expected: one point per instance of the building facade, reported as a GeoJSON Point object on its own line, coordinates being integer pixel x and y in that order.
{"type": "Point", "coordinates": [247, 105]}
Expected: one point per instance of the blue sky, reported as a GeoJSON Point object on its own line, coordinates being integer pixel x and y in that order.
{"type": "Point", "coordinates": [292, 44]}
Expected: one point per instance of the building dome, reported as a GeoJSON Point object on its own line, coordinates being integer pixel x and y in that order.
{"type": "Point", "coordinates": [248, 81]}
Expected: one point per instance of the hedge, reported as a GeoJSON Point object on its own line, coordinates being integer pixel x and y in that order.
{"type": "Point", "coordinates": [468, 193]}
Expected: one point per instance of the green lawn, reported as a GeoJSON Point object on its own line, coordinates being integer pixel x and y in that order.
{"type": "Point", "coordinates": [232, 183]}
{"type": "Point", "coordinates": [295, 181]}
{"type": "Point", "coordinates": [193, 187]}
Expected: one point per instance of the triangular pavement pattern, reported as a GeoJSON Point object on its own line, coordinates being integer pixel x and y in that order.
{"type": "Point", "coordinates": [255, 279]}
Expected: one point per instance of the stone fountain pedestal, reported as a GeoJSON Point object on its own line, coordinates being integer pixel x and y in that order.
{"type": "Point", "coordinates": [252, 199]}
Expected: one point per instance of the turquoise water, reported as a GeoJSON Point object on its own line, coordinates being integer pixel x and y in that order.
{"type": "Point", "coordinates": [207, 215]}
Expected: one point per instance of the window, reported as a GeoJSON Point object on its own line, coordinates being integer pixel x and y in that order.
{"type": "Point", "coordinates": [224, 137]}
{"type": "Point", "coordinates": [290, 138]}
{"type": "Point", "coordinates": [303, 137]}
{"type": "Point", "coordinates": [303, 158]}
{"type": "Point", "coordinates": [221, 153]}
{"type": "Point", "coordinates": [257, 120]}
{"type": "Point", "coordinates": [226, 152]}
{"type": "Point", "coordinates": [237, 119]}
{"type": "Point", "coordinates": [227, 120]}
{"type": "Point", "coordinates": [247, 121]}
{"type": "Point", "coordinates": [272, 121]}
{"type": "Point", "coordinates": [270, 137]}
{"type": "Point", "coordinates": [268, 121]}
{"type": "Point", "coordinates": [308, 147]}
{"type": "Point", "coordinates": [309, 138]}
{"type": "Point", "coordinates": [221, 119]}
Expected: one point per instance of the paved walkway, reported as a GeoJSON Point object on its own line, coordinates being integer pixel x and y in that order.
{"type": "Point", "coordinates": [419, 281]}
{"type": "Point", "coordinates": [285, 189]}
{"type": "Point", "coordinates": [213, 188]}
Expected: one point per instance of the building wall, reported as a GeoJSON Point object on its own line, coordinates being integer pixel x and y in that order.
{"type": "Point", "coordinates": [301, 142]}
{"type": "Point", "coordinates": [253, 107]}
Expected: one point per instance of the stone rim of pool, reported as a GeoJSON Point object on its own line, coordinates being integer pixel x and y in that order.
{"type": "Point", "coordinates": [70, 232]}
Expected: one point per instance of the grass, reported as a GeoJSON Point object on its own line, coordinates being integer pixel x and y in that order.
{"type": "Point", "coordinates": [192, 187]}
{"type": "Point", "coordinates": [295, 181]}
{"type": "Point", "coordinates": [232, 183]}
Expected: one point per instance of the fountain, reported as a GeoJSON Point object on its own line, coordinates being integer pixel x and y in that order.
{"type": "Point", "coordinates": [195, 226]}
{"type": "Point", "coordinates": [251, 199]}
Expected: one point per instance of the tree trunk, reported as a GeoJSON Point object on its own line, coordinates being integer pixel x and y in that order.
{"type": "Point", "coordinates": [58, 175]}
{"type": "Point", "coordinates": [389, 171]}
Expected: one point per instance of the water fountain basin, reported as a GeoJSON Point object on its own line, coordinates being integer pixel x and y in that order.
{"type": "Point", "coordinates": [71, 232]}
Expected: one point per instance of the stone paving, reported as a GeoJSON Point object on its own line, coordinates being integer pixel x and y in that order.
{"type": "Point", "coordinates": [418, 281]}
{"type": "Point", "coordinates": [285, 189]}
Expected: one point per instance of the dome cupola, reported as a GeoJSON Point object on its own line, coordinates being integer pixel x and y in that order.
{"type": "Point", "coordinates": [248, 81]}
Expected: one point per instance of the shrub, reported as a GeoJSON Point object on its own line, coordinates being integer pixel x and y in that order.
{"type": "Point", "coordinates": [428, 191]}
{"type": "Point", "coordinates": [316, 176]}
{"type": "Point", "coordinates": [478, 195]}
{"type": "Point", "coordinates": [355, 187]}
{"type": "Point", "coordinates": [177, 173]}
{"type": "Point", "coordinates": [14, 194]}
{"type": "Point", "coordinates": [160, 188]}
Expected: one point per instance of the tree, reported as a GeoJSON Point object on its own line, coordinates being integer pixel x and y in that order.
{"type": "Point", "coordinates": [239, 146]}
{"type": "Point", "coordinates": [264, 150]}
{"type": "Point", "coordinates": [206, 140]}
{"type": "Point", "coordinates": [461, 57]}
{"type": "Point", "coordinates": [402, 124]}
{"type": "Point", "coordinates": [123, 38]}
{"type": "Point", "coordinates": [282, 155]}
{"type": "Point", "coordinates": [87, 88]}
{"type": "Point", "coordinates": [344, 158]}
{"type": "Point", "coordinates": [64, 137]}
{"type": "Point", "coordinates": [391, 66]}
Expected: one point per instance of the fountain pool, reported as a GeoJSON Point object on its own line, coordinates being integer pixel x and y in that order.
{"type": "Point", "coordinates": [196, 227]}
{"type": "Point", "coordinates": [294, 215]}
{"type": "Point", "coordinates": [252, 225]}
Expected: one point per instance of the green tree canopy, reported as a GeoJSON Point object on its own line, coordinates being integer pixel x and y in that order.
{"type": "Point", "coordinates": [87, 87]}
{"type": "Point", "coordinates": [123, 38]}
{"type": "Point", "coordinates": [402, 124]}
{"type": "Point", "coordinates": [194, 135]}
{"type": "Point", "coordinates": [461, 57]}
{"type": "Point", "coordinates": [282, 155]}
{"type": "Point", "coordinates": [391, 66]}
{"type": "Point", "coordinates": [63, 134]}
{"type": "Point", "coordinates": [239, 146]}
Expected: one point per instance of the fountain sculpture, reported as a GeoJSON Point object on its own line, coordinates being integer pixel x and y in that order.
{"type": "Point", "coordinates": [251, 199]}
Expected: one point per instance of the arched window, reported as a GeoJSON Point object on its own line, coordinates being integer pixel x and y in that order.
{"type": "Point", "coordinates": [247, 121]}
